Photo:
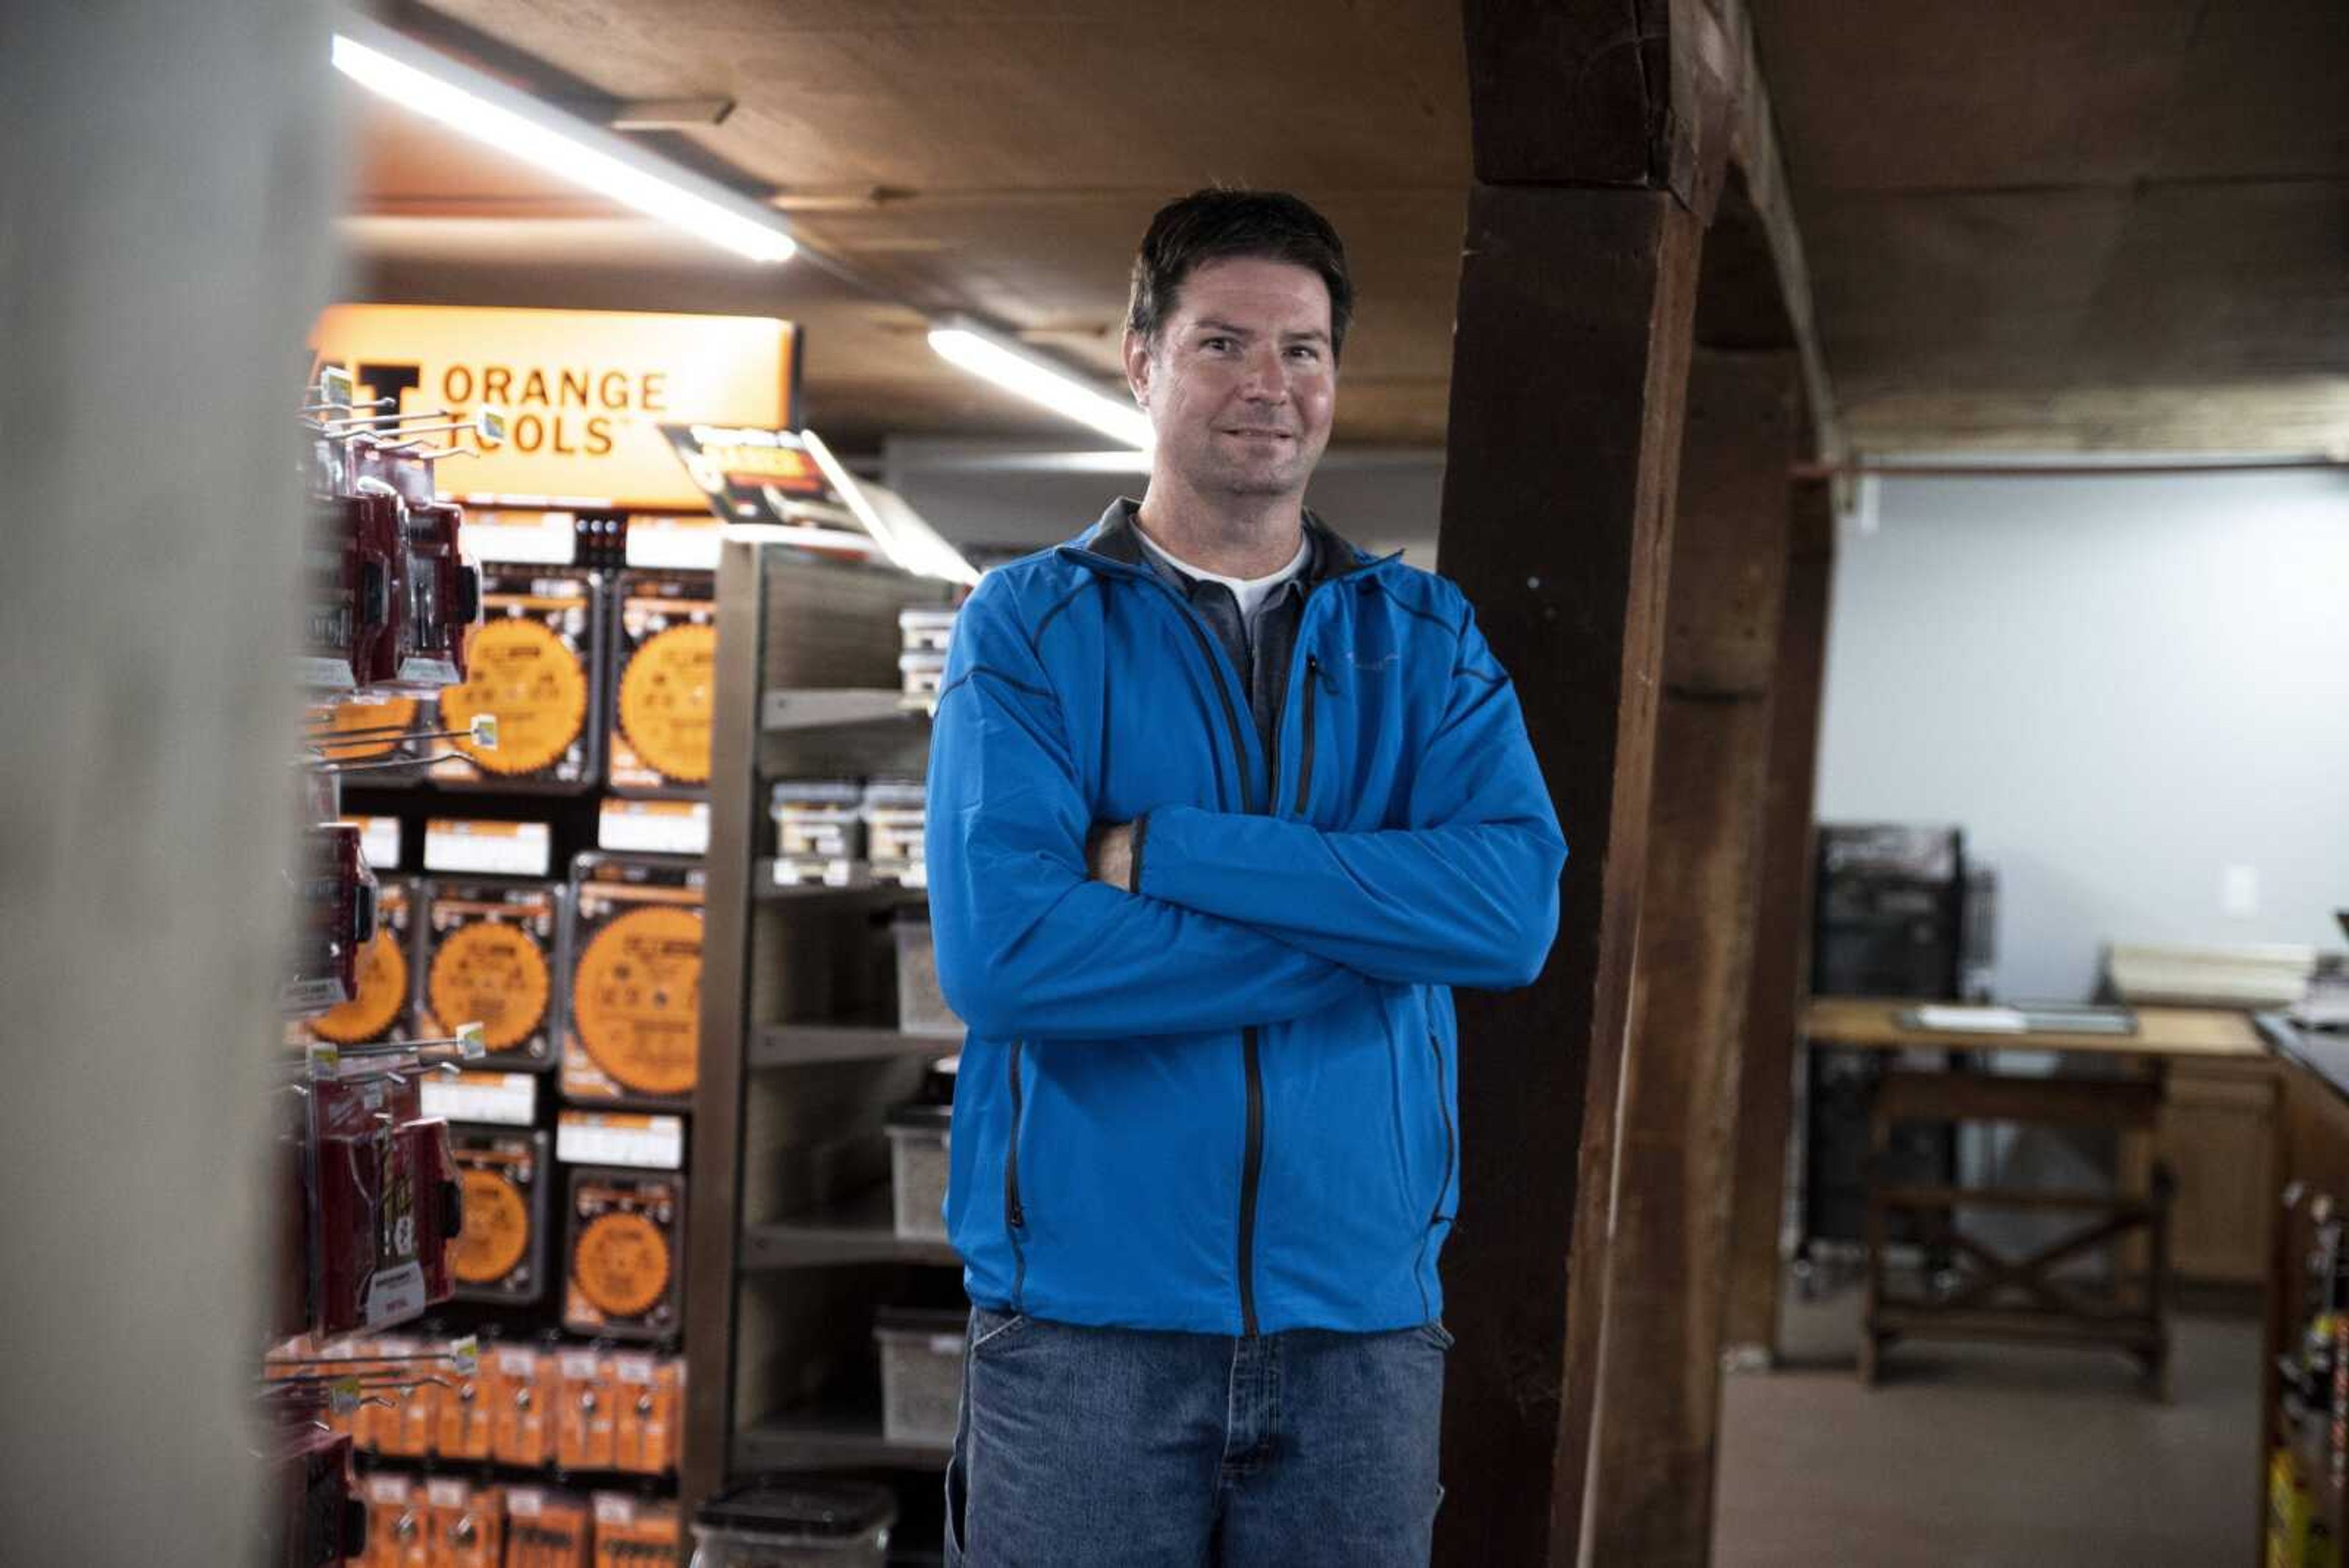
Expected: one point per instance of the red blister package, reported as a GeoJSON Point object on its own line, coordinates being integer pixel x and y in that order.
{"type": "Point", "coordinates": [334, 920]}
{"type": "Point", "coordinates": [319, 1520]}
{"type": "Point", "coordinates": [354, 569]}
{"type": "Point", "coordinates": [440, 598]}
{"type": "Point", "coordinates": [387, 1205]}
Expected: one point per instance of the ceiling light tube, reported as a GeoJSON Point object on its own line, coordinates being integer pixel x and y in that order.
{"type": "Point", "coordinates": [911, 543]}
{"type": "Point", "coordinates": [992, 357]}
{"type": "Point", "coordinates": [478, 105]}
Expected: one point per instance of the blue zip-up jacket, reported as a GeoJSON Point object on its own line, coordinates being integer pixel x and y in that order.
{"type": "Point", "coordinates": [1224, 1102]}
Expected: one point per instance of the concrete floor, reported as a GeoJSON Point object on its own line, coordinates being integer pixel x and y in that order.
{"type": "Point", "coordinates": [1987, 1456]}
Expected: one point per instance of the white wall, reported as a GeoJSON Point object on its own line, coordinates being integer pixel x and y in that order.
{"type": "Point", "coordinates": [2120, 687]}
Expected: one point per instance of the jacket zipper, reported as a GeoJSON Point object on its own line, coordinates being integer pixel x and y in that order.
{"type": "Point", "coordinates": [1305, 759]}
{"type": "Point", "coordinates": [1251, 1048]}
{"type": "Point", "coordinates": [1015, 1215]}
{"type": "Point", "coordinates": [1443, 1108]}
{"type": "Point", "coordinates": [1251, 1041]}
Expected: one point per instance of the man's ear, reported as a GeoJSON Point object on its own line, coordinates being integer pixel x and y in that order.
{"type": "Point", "coordinates": [1135, 351]}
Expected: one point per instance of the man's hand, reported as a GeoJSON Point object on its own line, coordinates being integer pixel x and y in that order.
{"type": "Point", "coordinates": [1109, 855]}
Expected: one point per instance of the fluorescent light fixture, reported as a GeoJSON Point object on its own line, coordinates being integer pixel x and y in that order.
{"type": "Point", "coordinates": [478, 105]}
{"type": "Point", "coordinates": [906, 538]}
{"type": "Point", "coordinates": [995, 357]}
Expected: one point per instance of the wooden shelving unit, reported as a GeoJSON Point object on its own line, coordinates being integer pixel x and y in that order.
{"type": "Point", "coordinates": [796, 1044]}
{"type": "Point", "coordinates": [840, 1434]}
{"type": "Point", "coordinates": [791, 1245]}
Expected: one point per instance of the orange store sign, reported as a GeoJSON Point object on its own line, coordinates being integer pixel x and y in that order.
{"type": "Point", "coordinates": [584, 392]}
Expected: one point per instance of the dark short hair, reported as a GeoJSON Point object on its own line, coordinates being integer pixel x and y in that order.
{"type": "Point", "coordinates": [1215, 224]}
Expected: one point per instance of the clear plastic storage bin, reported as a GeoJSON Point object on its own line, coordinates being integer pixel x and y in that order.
{"type": "Point", "coordinates": [917, 1169]}
{"type": "Point", "coordinates": [895, 814]}
{"type": "Point", "coordinates": [823, 821]}
{"type": "Point", "coordinates": [921, 1374]}
{"type": "Point", "coordinates": [921, 1005]}
{"type": "Point", "coordinates": [926, 631]}
{"type": "Point", "coordinates": [809, 1524]}
{"type": "Point", "coordinates": [923, 673]}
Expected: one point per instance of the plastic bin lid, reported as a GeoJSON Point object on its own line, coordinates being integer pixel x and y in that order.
{"type": "Point", "coordinates": [925, 1118]}
{"type": "Point", "coordinates": [821, 792]}
{"type": "Point", "coordinates": [799, 1511]}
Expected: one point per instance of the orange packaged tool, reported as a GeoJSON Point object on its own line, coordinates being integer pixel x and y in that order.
{"type": "Point", "coordinates": [511, 1381]}
{"type": "Point", "coordinates": [631, 1532]}
{"type": "Point", "coordinates": [464, 1430]}
{"type": "Point", "coordinates": [466, 1523]}
{"type": "Point", "coordinates": [644, 1429]}
{"type": "Point", "coordinates": [584, 1397]}
{"type": "Point", "coordinates": [397, 1522]}
{"type": "Point", "coordinates": [407, 1428]}
{"type": "Point", "coordinates": [546, 1529]}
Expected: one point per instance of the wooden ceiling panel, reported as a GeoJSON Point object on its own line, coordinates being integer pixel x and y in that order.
{"type": "Point", "coordinates": [2032, 223]}
{"type": "Point", "coordinates": [1971, 94]}
{"type": "Point", "coordinates": [2265, 94]}
{"type": "Point", "coordinates": [1943, 291]}
{"type": "Point", "coordinates": [946, 95]}
{"type": "Point", "coordinates": [2217, 283]}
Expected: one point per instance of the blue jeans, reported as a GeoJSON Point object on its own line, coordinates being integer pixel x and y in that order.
{"type": "Point", "coordinates": [1104, 1448]}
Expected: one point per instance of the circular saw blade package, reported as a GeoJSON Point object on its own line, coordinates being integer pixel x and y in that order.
{"type": "Point", "coordinates": [488, 951]}
{"type": "Point", "coordinates": [536, 665]}
{"type": "Point", "coordinates": [632, 1023]}
{"type": "Point", "coordinates": [665, 650]}
{"type": "Point", "coordinates": [626, 1274]}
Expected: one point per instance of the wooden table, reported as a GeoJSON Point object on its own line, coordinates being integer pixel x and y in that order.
{"type": "Point", "coordinates": [2129, 1102]}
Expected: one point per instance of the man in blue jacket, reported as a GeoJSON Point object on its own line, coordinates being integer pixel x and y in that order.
{"type": "Point", "coordinates": [1220, 808]}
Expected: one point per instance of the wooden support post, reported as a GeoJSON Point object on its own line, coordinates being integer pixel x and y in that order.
{"type": "Point", "coordinates": [1577, 300]}
{"type": "Point", "coordinates": [1651, 1485]}
{"type": "Point", "coordinates": [1603, 136]}
{"type": "Point", "coordinates": [1781, 939]}
{"type": "Point", "coordinates": [1566, 398]}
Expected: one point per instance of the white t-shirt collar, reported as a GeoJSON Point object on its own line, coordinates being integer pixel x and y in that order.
{"type": "Point", "coordinates": [1251, 592]}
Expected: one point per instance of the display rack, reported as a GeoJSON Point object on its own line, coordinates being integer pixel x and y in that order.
{"type": "Point", "coordinates": [789, 1245]}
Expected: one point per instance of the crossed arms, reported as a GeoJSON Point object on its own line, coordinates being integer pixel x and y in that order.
{"type": "Point", "coordinates": [1215, 920]}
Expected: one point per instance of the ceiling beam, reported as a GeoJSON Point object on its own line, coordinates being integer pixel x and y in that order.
{"type": "Point", "coordinates": [1765, 202]}
{"type": "Point", "coordinates": [1635, 93]}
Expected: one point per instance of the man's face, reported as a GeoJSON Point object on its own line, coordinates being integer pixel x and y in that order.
{"type": "Point", "coordinates": [1241, 382]}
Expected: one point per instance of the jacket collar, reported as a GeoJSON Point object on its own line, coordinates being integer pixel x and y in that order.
{"type": "Point", "coordinates": [1117, 537]}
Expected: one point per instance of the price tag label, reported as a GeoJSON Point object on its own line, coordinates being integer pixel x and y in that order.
{"type": "Point", "coordinates": [654, 826]}
{"type": "Point", "coordinates": [501, 1099]}
{"type": "Point", "coordinates": [674, 543]}
{"type": "Point", "coordinates": [641, 1143]}
{"type": "Point", "coordinates": [536, 538]}
{"type": "Point", "coordinates": [489, 848]}
{"type": "Point", "coordinates": [378, 841]}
